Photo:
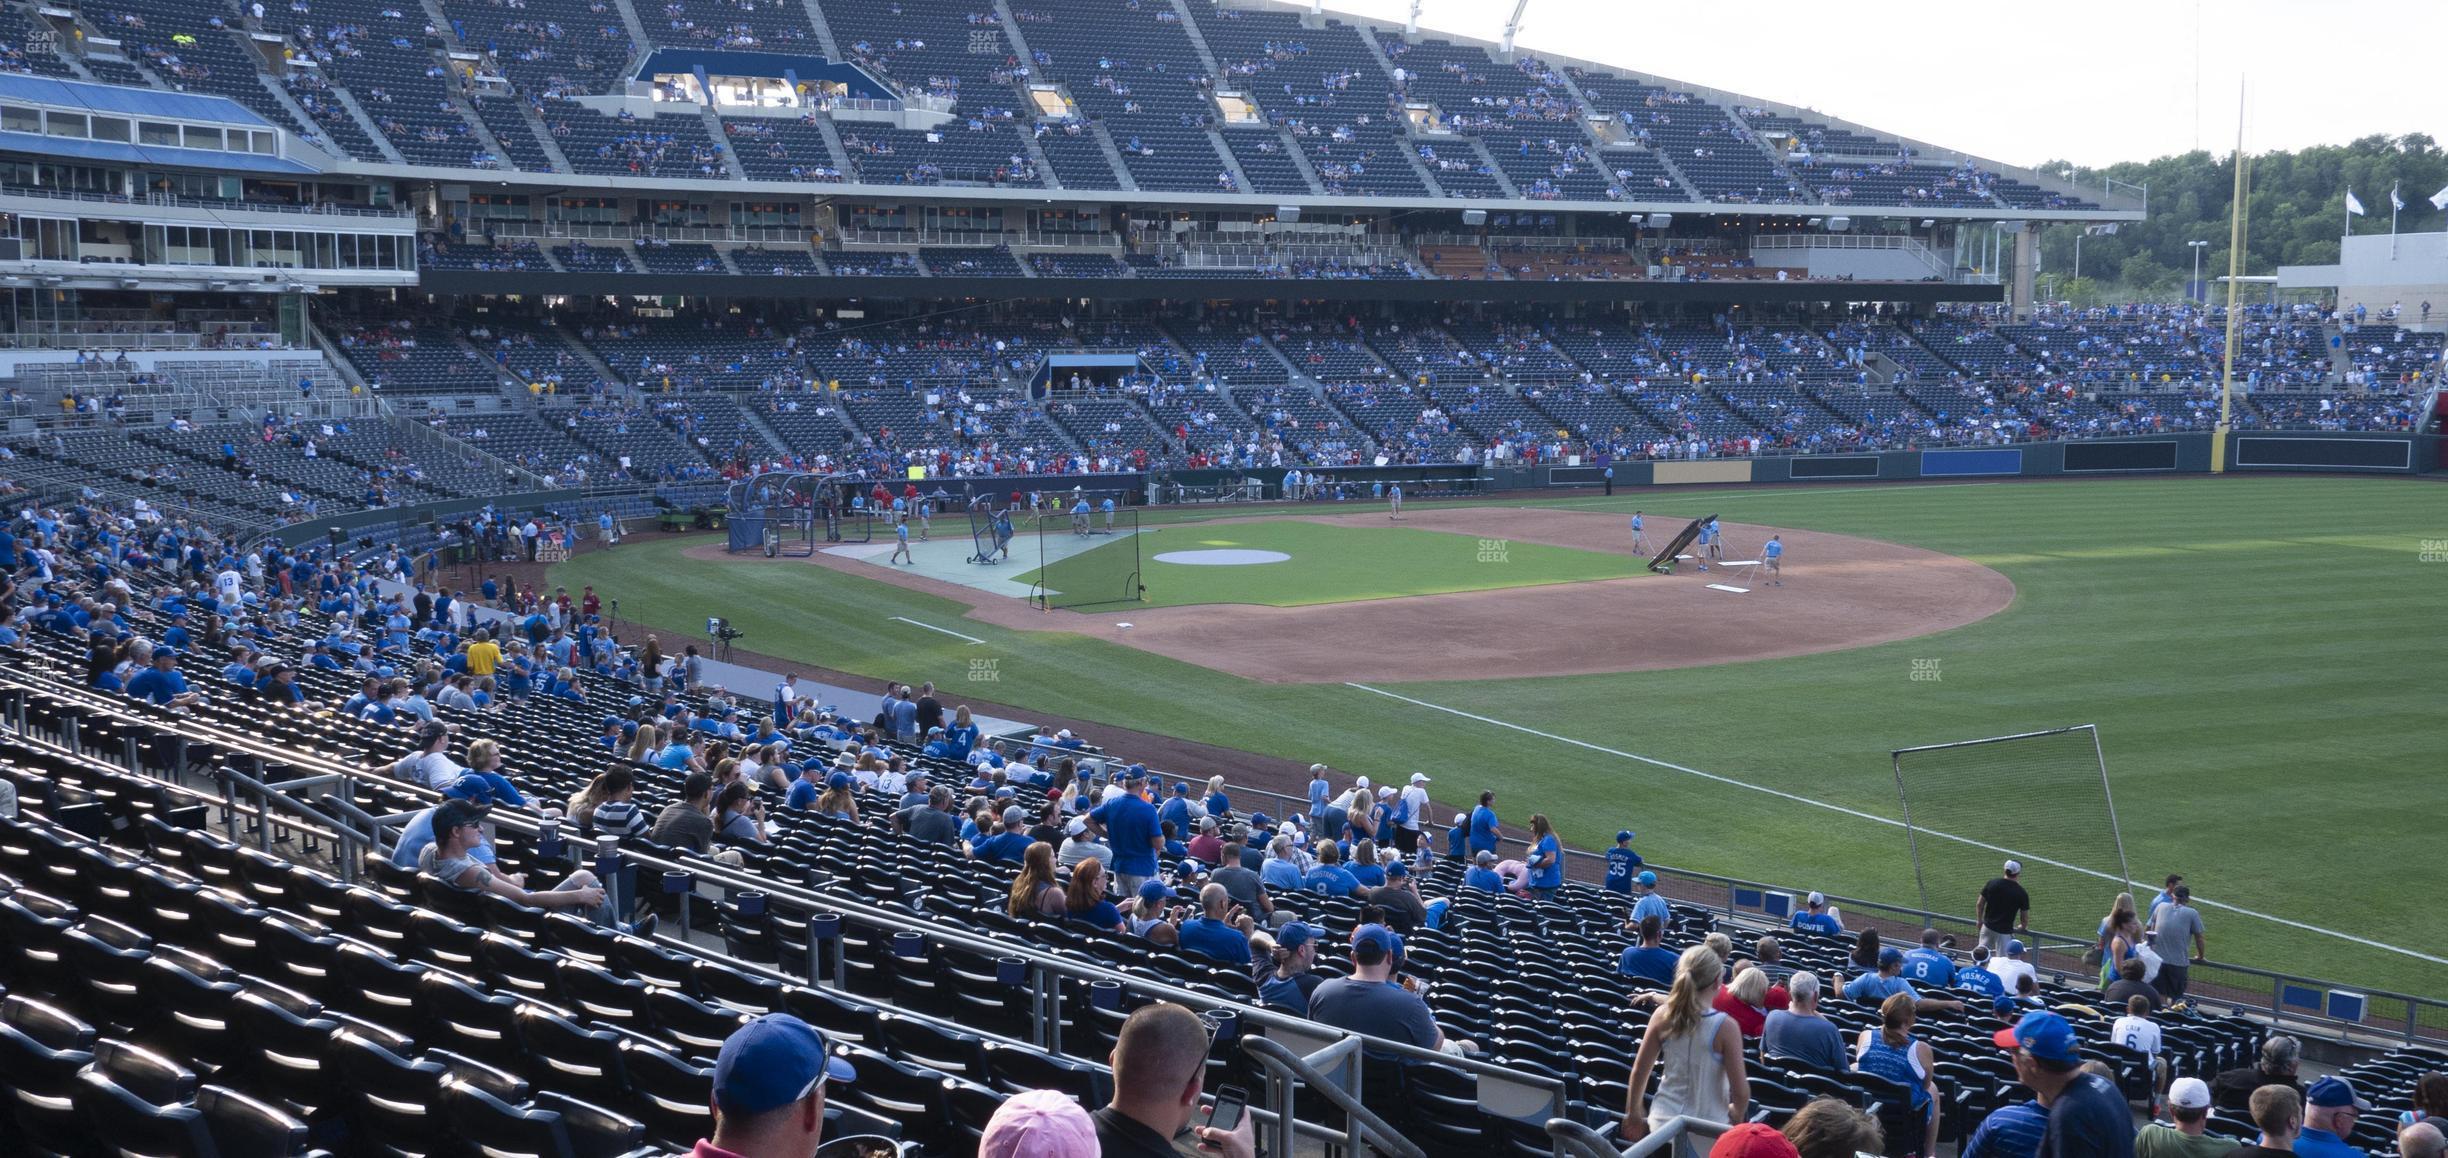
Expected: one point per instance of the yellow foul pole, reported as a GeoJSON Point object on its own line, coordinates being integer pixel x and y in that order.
{"type": "Point", "coordinates": [2235, 274]}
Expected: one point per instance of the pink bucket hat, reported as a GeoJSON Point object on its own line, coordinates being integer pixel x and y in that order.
{"type": "Point", "coordinates": [1039, 1124]}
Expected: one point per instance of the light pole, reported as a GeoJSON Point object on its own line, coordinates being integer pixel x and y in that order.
{"type": "Point", "coordinates": [2197, 246]}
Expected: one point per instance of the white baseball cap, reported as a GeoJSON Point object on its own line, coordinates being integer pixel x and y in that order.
{"type": "Point", "coordinates": [1363, 782]}
{"type": "Point", "coordinates": [2013, 867]}
{"type": "Point", "coordinates": [2189, 1094]}
{"type": "Point", "coordinates": [1815, 900]}
{"type": "Point", "coordinates": [1419, 778]}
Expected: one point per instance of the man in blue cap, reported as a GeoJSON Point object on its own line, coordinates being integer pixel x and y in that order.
{"type": "Point", "coordinates": [769, 1090]}
{"type": "Point", "coordinates": [1875, 986]}
{"type": "Point", "coordinates": [1128, 823]}
{"type": "Point", "coordinates": [1621, 863]}
{"type": "Point", "coordinates": [1180, 811]}
{"type": "Point", "coordinates": [809, 785]}
{"type": "Point", "coordinates": [161, 683]}
{"type": "Point", "coordinates": [1650, 903]}
{"type": "Point", "coordinates": [2088, 1115]}
{"type": "Point", "coordinates": [2330, 1110]}
{"type": "Point", "coordinates": [1370, 1001]}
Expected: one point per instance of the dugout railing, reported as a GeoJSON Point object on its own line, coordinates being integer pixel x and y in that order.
{"type": "Point", "coordinates": [2332, 1006]}
{"type": "Point", "coordinates": [257, 789]}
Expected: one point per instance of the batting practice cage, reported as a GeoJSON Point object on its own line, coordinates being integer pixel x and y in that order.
{"type": "Point", "coordinates": [1089, 560]}
{"type": "Point", "coordinates": [788, 513]}
{"type": "Point", "coordinates": [2040, 798]}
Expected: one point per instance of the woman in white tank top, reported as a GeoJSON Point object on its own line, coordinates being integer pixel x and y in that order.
{"type": "Point", "coordinates": [1700, 1048]}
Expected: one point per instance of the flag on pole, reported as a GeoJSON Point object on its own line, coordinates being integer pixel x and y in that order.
{"type": "Point", "coordinates": [2353, 207]}
{"type": "Point", "coordinates": [2396, 203]}
{"type": "Point", "coordinates": [2439, 200]}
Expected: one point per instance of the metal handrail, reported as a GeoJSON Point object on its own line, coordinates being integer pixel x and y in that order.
{"type": "Point", "coordinates": [1582, 1142]}
{"type": "Point", "coordinates": [1579, 1141]}
{"type": "Point", "coordinates": [1366, 1127]}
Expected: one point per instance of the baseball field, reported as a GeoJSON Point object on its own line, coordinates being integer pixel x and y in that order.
{"type": "Point", "coordinates": [2261, 655]}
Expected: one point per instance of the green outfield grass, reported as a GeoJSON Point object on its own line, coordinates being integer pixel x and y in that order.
{"type": "Point", "coordinates": [1328, 564]}
{"type": "Point", "coordinates": [2261, 654]}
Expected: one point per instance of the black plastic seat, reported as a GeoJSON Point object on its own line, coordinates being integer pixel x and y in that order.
{"type": "Point", "coordinates": [695, 1026]}
{"type": "Point", "coordinates": [920, 1099]}
{"type": "Point", "coordinates": [459, 1017]}
{"type": "Point", "coordinates": [594, 993]}
{"type": "Point", "coordinates": [840, 1016]}
{"type": "Point", "coordinates": [241, 1125]}
{"type": "Point", "coordinates": [187, 1015]}
{"type": "Point", "coordinates": [40, 1085]}
{"type": "Point", "coordinates": [110, 970]}
{"type": "Point", "coordinates": [512, 965]}
{"type": "Point", "coordinates": [373, 986]}
{"type": "Point", "coordinates": [586, 1063]}
{"type": "Point", "coordinates": [295, 955]}
{"type": "Point", "coordinates": [922, 1043]}
{"type": "Point", "coordinates": [149, 1075]}
{"type": "Point", "coordinates": [592, 1131]}
{"type": "Point", "coordinates": [31, 926]}
{"type": "Point", "coordinates": [444, 943]}
{"type": "Point", "coordinates": [389, 1101]}
{"type": "Point", "coordinates": [1018, 1069]}
{"type": "Point", "coordinates": [731, 988]}
{"type": "Point", "coordinates": [503, 1129]}
{"type": "Point", "coordinates": [128, 1124]}
{"type": "Point", "coordinates": [669, 1093]}
{"type": "Point", "coordinates": [284, 1035]}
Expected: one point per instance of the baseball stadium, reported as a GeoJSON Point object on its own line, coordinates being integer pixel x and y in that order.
{"type": "Point", "coordinates": [826, 577]}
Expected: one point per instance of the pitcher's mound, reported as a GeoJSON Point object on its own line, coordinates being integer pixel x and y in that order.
{"type": "Point", "coordinates": [1223, 557]}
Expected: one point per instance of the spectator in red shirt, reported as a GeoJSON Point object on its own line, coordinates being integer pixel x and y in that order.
{"type": "Point", "coordinates": [1746, 1001]}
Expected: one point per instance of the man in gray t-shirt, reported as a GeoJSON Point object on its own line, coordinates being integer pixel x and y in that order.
{"type": "Point", "coordinates": [2176, 936]}
{"type": "Point", "coordinates": [1243, 885]}
{"type": "Point", "coordinates": [1370, 1002]}
{"type": "Point", "coordinates": [1798, 1032]}
{"type": "Point", "coordinates": [932, 822]}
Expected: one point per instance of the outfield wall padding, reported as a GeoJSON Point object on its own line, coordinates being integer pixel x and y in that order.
{"type": "Point", "coordinates": [1971, 463]}
{"type": "Point", "coordinates": [2185, 452]}
{"type": "Point", "coordinates": [1728, 470]}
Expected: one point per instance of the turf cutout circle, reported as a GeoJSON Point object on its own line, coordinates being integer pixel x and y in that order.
{"type": "Point", "coordinates": [1232, 557]}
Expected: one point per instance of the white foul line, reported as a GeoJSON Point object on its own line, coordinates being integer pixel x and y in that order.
{"type": "Point", "coordinates": [1886, 820]}
{"type": "Point", "coordinates": [932, 627]}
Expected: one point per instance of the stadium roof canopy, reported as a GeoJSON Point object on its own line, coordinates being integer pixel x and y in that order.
{"type": "Point", "coordinates": [104, 98]}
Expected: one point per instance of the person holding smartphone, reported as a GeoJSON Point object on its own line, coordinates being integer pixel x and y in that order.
{"type": "Point", "coordinates": [1159, 1073]}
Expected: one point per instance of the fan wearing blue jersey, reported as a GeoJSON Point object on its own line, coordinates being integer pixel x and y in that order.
{"type": "Point", "coordinates": [1621, 863]}
{"type": "Point", "coordinates": [1817, 917]}
{"type": "Point", "coordinates": [1929, 964]}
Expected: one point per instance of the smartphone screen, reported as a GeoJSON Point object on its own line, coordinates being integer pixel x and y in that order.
{"type": "Point", "coordinates": [1230, 1103]}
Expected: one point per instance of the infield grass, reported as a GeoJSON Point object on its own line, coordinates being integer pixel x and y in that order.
{"type": "Point", "coordinates": [1328, 564]}
{"type": "Point", "coordinates": [2262, 655]}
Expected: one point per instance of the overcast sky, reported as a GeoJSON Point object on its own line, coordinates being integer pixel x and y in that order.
{"type": "Point", "coordinates": [2088, 81]}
